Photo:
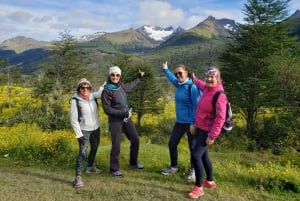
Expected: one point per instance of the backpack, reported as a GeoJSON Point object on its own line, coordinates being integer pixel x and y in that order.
{"type": "Point", "coordinates": [228, 124]}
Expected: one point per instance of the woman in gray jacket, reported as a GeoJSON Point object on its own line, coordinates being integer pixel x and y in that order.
{"type": "Point", "coordinates": [114, 102]}
{"type": "Point", "coordinates": [86, 125]}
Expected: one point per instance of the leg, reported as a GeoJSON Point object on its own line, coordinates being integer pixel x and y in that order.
{"type": "Point", "coordinates": [207, 166]}
{"type": "Point", "coordinates": [176, 135]}
{"type": "Point", "coordinates": [83, 146]}
{"type": "Point", "coordinates": [132, 135]}
{"type": "Point", "coordinates": [197, 153]}
{"type": "Point", "coordinates": [191, 143]}
{"type": "Point", "coordinates": [94, 142]}
{"type": "Point", "coordinates": [115, 132]}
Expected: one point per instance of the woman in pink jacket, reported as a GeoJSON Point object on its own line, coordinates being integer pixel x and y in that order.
{"type": "Point", "coordinates": [209, 125]}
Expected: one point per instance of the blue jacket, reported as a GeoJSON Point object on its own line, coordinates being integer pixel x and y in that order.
{"type": "Point", "coordinates": [186, 98]}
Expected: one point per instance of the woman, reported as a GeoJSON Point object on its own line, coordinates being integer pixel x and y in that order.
{"type": "Point", "coordinates": [186, 98]}
{"type": "Point", "coordinates": [208, 127]}
{"type": "Point", "coordinates": [114, 103]}
{"type": "Point", "coordinates": [86, 125]}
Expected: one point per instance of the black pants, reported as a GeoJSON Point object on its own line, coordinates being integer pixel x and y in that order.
{"type": "Point", "coordinates": [92, 137]}
{"type": "Point", "coordinates": [116, 129]}
{"type": "Point", "coordinates": [178, 131]}
{"type": "Point", "coordinates": [200, 157]}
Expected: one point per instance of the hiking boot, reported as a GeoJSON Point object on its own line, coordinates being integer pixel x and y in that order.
{"type": "Point", "coordinates": [196, 192]}
{"type": "Point", "coordinates": [138, 166]}
{"type": "Point", "coordinates": [191, 176]}
{"type": "Point", "coordinates": [209, 184]}
{"type": "Point", "coordinates": [169, 170]}
{"type": "Point", "coordinates": [117, 173]}
{"type": "Point", "coordinates": [92, 169]}
{"type": "Point", "coordinates": [78, 182]}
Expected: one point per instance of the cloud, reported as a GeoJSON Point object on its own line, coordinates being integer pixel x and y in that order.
{"type": "Point", "coordinates": [158, 13]}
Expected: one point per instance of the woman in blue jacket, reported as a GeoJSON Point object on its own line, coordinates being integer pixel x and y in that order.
{"type": "Point", "coordinates": [186, 98]}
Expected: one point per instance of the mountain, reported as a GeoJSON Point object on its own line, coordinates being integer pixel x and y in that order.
{"type": "Point", "coordinates": [157, 35]}
{"type": "Point", "coordinates": [24, 51]}
{"type": "Point", "coordinates": [90, 37]}
{"type": "Point", "coordinates": [294, 24]}
{"type": "Point", "coordinates": [20, 44]}
{"type": "Point", "coordinates": [153, 43]}
{"type": "Point", "coordinates": [206, 30]}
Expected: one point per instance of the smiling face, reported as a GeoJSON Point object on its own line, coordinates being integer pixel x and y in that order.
{"type": "Point", "coordinates": [85, 89]}
{"type": "Point", "coordinates": [181, 73]}
{"type": "Point", "coordinates": [114, 77]}
{"type": "Point", "coordinates": [212, 77]}
{"type": "Point", "coordinates": [211, 80]}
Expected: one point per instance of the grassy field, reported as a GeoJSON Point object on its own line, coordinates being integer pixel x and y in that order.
{"type": "Point", "coordinates": [236, 175]}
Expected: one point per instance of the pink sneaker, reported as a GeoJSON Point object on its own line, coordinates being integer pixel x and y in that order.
{"type": "Point", "coordinates": [209, 184]}
{"type": "Point", "coordinates": [196, 192]}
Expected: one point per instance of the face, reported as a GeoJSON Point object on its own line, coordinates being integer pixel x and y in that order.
{"type": "Point", "coordinates": [181, 74]}
{"type": "Point", "coordinates": [114, 77]}
{"type": "Point", "coordinates": [210, 80]}
{"type": "Point", "coordinates": [85, 89]}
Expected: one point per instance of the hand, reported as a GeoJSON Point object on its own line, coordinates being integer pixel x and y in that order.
{"type": "Point", "coordinates": [141, 73]}
{"type": "Point", "coordinates": [165, 65]}
{"type": "Point", "coordinates": [129, 115]}
{"type": "Point", "coordinates": [80, 139]}
{"type": "Point", "coordinates": [192, 129]}
{"type": "Point", "coordinates": [209, 141]}
{"type": "Point", "coordinates": [103, 84]}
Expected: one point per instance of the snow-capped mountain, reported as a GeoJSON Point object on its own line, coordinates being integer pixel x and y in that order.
{"type": "Point", "coordinates": [90, 37]}
{"type": "Point", "coordinates": [157, 34]}
{"type": "Point", "coordinates": [228, 24]}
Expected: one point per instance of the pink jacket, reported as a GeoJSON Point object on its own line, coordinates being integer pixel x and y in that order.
{"type": "Point", "coordinates": [205, 117]}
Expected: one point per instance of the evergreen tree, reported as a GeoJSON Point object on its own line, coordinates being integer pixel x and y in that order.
{"type": "Point", "coordinates": [247, 72]}
{"type": "Point", "coordinates": [147, 97]}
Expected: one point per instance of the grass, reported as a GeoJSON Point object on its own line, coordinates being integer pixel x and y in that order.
{"type": "Point", "coordinates": [33, 180]}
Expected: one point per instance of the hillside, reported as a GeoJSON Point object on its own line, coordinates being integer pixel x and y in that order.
{"type": "Point", "coordinates": [195, 47]}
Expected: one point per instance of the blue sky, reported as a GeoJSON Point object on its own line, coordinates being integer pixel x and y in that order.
{"type": "Point", "coordinates": [45, 19]}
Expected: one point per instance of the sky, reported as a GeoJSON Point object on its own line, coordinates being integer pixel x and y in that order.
{"type": "Point", "coordinates": [45, 19]}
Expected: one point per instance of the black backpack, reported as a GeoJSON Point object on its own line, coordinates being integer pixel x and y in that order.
{"type": "Point", "coordinates": [228, 124]}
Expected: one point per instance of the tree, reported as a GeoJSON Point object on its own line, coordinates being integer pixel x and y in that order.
{"type": "Point", "coordinates": [57, 79]}
{"type": "Point", "coordinates": [247, 71]}
{"type": "Point", "coordinates": [146, 98]}
{"type": "Point", "coordinates": [68, 63]}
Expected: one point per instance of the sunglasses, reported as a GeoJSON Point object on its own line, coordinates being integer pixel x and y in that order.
{"type": "Point", "coordinates": [178, 73]}
{"type": "Point", "coordinates": [115, 75]}
{"type": "Point", "coordinates": [87, 88]}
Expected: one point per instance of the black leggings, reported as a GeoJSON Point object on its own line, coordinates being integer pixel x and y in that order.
{"type": "Point", "coordinates": [200, 157]}
{"type": "Point", "coordinates": [178, 131]}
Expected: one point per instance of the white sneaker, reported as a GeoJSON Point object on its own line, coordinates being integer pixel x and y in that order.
{"type": "Point", "coordinates": [92, 169]}
{"type": "Point", "coordinates": [191, 176]}
{"type": "Point", "coordinates": [169, 170]}
{"type": "Point", "coordinates": [78, 182]}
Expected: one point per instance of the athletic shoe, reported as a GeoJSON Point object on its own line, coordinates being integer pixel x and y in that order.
{"type": "Point", "coordinates": [138, 166]}
{"type": "Point", "coordinates": [92, 169]}
{"type": "Point", "coordinates": [117, 173]}
{"type": "Point", "coordinates": [191, 176]}
{"type": "Point", "coordinates": [196, 192]}
{"type": "Point", "coordinates": [78, 182]}
{"type": "Point", "coordinates": [209, 184]}
{"type": "Point", "coordinates": [169, 170]}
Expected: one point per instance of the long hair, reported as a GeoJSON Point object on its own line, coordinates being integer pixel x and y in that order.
{"type": "Point", "coordinates": [186, 69]}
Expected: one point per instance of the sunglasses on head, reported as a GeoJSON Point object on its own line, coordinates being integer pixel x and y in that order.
{"type": "Point", "coordinates": [115, 75]}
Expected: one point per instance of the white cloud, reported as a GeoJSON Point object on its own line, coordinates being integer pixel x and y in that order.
{"type": "Point", "coordinates": [158, 13]}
